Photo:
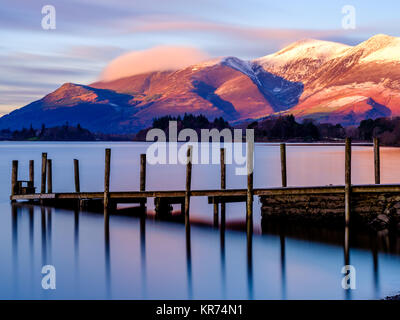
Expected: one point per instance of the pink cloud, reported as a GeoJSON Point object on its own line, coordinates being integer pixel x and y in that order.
{"type": "Point", "coordinates": [159, 58]}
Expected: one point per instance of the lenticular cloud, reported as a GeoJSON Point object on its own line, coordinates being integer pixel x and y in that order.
{"type": "Point", "coordinates": [155, 59]}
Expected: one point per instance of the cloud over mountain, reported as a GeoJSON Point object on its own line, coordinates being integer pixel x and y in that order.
{"type": "Point", "coordinates": [161, 58]}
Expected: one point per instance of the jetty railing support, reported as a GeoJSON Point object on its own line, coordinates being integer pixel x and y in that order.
{"type": "Point", "coordinates": [14, 178]}
{"type": "Point", "coordinates": [43, 177]}
{"type": "Point", "coordinates": [143, 176]}
{"type": "Point", "coordinates": [142, 172]}
{"type": "Point", "coordinates": [107, 168]}
{"type": "Point", "coordinates": [32, 173]}
{"type": "Point", "coordinates": [283, 165]}
{"type": "Point", "coordinates": [49, 176]}
{"type": "Point", "coordinates": [347, 188]}
{"type": "Point", "coordinates": [249, 202]}
{"type": "Point", "coordinates": [223, 184]}
{"type": "Point", "coordinates": [377, 161]}
{"type": "Point", "coordinates": [188, 184]}
{"type": "Point", "coordinates": [76, 176]}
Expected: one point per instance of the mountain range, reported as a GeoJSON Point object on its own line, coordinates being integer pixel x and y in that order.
{"type": "Point", "coordinates": [313, 79]}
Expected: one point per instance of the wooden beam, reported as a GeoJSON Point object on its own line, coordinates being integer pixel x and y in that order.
{"type": "Point", "coordinates": [377, 161]}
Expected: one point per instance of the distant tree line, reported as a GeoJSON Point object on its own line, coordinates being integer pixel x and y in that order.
{"type": "Point", "coordinates": [283, 128]}
{"type": "Point", "coordinates": [196, 122]}
{"type": "Point", "coordinates": [65, 132]}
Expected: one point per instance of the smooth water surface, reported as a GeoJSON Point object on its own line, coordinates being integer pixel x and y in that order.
{"type": "Point", "coordinates": [149, 259]}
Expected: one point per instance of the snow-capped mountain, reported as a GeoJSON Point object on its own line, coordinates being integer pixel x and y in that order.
{"type": "Point", "coordinates": [327, 81]}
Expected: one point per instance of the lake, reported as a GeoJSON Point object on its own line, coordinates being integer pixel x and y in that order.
{"type": "Point", "coordinates": [151, 259]}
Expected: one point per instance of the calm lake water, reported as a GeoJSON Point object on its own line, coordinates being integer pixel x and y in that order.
{"type": "Point", "coordinates": [150, 259]}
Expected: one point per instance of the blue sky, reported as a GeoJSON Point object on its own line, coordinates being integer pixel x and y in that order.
{"type": "Point", "coordinates": [90, 33]}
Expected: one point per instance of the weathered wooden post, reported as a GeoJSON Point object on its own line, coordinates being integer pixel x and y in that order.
{"type": "Point", "coordinates": [347, 188]}
{"type": "Point", "coordinates": [377, 161]}
{"type": "Point", "coordinates": [32, 173]}
{"type": "Point", "coordinates": [76, 175]}
{"type": "Point", "coordinates": [249, 202]}
{"type": "Point", "coordinates": [44, 166]}
{"type": "Point", "coordinates": [143, 176]}
{"type": "Point", "coordinates": [283, 165]}
{"type": "Point", "coordinates": [107, 181]}
{"type": "Point", "coordinates": [14, 178]}
{"type": "Point", "coordinates": [142, 172]}
{"type": "Point", "coordinates": [49, 176]}
{"type": "Point", "coordinates": [188, 184]}
{"type": "Point", "coordinates": [223, 183]}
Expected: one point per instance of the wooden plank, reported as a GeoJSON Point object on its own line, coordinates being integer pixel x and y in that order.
{"type": "Point", "coordinates": [226, 199]}
{"type": "Point", "coordinates": [224, 195]}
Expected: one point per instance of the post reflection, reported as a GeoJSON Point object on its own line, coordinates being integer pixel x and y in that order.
{"type": "Point", "coordinates": [76, 248]}
{"type": "Point", "coordinates": [189, 261]}
{"type": "Point", "coordinates": [14, 226]}
{"type": "Point", "coordinates": [375, 262]}
{"type": "Point", "coordinates": [107, 254]}
{"type": "Point", "coordinates": [283, 261]}
{"type": "Point", "coordinates": [143, 254]}
{"type": "Point", "coordinates": [223, 254]}
{"type": "Point", "coordinates": [31, 243]}
{"type": "Point", "coordinates": [48, 233]}
{"type": "Point", "coordinates": [43, 234]}
{"type": "Point", "coordinates": [346, 249]}
{"type": "Point", "coordinates": [249, 227]}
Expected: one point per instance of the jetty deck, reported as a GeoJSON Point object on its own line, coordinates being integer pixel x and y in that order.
{"type": "Point", "coordinates": [25, 190]}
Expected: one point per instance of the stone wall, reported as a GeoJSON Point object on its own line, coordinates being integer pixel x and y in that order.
{"type": "Point", "coordinates": [376, 210]}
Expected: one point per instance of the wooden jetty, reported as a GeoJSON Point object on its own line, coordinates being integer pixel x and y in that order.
{"type": "Point", "coordinates": [108, 200]}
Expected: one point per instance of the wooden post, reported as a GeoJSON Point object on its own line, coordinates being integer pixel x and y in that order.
{"type": "Point", "coordinates": [223, 183]}
{"type": "Point", "coordinates": [142, 172]}
{"type": "Point", "coordinates": [347, 188]}
{"type": "Point", "coordinates": [49, 176]}
{"type": "Point", "coordinates": [107, 180]}
{"type": "Point", "coordinates": [249, 202]}
{"type": "Point", "coordinates": [32, 173]}
{"type": "Point", "coordinates": [14, 178]}
{"type": "Point", "coordinates": [377, 161]}
{"type": "Point", "coordinates": [143, 179]}
{"type": "Point", "coordinates": [44, 166]}
{"type": "Point", "coordinates": [283, 165]}
{"type": "Point", "coordinates": [76, 175]}
{"type": "Point", "coordinates": [215, 213]}
{"type": "Point", "coordinates": [188, 184]}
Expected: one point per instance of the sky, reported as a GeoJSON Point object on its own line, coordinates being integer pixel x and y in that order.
{"type": "Point", "coordinates": [92, 35]}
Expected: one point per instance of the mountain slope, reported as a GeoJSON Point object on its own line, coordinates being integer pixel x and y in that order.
{"type": "Point", "coordinates": [323, 80]}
